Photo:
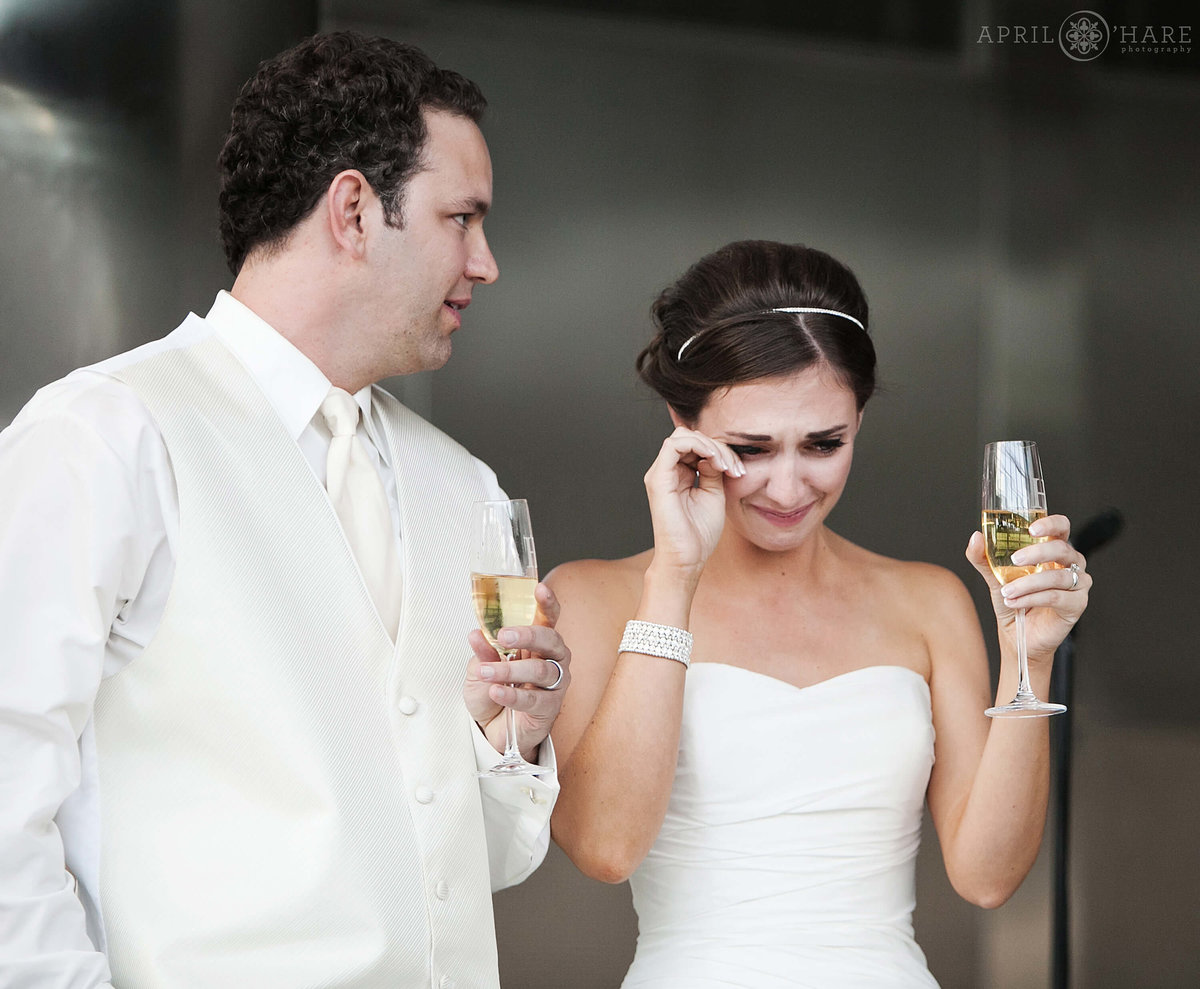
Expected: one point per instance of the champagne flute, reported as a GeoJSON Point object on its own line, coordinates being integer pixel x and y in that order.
{"type": "Point", "coordinates": [503, 578]}
{"type": "Point", "coordinates": [1014, 495]}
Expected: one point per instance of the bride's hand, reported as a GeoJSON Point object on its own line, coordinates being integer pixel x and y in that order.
{"type": "Point", "coordinates": [1054, 597]}
{"type": "Point", "coordinates": [686, 489]}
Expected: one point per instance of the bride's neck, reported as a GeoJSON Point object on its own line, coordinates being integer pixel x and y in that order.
{"type": "Point", "coordinates": [736, 560]}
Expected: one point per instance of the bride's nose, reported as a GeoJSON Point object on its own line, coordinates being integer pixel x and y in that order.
{"type": "Point", "coordinates": [787, 483]}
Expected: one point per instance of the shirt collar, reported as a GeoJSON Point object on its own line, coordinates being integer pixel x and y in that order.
{"type": "Point", "coordinates": [293, 384]}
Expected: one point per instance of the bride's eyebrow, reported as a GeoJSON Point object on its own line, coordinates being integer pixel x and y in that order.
{"type": "Point", "coordinates": [820, 434]}
{"type": "Point", "coordinates": [826, 433]}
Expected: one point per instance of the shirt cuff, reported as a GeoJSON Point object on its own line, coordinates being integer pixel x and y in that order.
{"type": "Point", "coordinates": [516, 814]}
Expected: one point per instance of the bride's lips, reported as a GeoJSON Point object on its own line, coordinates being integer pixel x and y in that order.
{"type": "Point", "coordinates": [783, 519]}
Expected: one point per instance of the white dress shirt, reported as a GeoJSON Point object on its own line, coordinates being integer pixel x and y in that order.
{"type": "Point", "coordinates": [89, 524]}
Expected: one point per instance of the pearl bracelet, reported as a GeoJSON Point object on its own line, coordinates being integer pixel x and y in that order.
{"type": "Point", "coordinates": [665, 641]}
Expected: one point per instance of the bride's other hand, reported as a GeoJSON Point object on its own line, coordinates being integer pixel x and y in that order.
{"type": "Point", "coordinates": [1054, 597]}
{"type": "Point", "coordinates": [686, 489]}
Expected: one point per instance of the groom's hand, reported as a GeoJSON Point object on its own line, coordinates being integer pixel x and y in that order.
{"type": "Point", "coordinates": [532, 684]}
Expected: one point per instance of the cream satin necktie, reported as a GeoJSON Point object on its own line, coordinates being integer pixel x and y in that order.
{"type": "Point", "coordinates": [357, 494]}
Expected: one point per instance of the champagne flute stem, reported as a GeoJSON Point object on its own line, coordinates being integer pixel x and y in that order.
{"type": "Point", "coordinates": [512, 752]}
{"type": "Point", "coordinates": [1023, 689]}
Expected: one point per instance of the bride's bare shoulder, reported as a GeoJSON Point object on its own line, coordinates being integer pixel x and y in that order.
{"type": "Point", "coordinates": [600, 582]}
{"type": "Point", "coordinates": [902, 578]}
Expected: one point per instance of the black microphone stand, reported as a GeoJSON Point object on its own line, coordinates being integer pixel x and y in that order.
{"type": "Point", "coordinates": [1061, 687]}
{"type": "Point", "coordinates": [1094, 534]}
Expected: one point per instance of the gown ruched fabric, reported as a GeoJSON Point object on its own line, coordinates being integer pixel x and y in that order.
{"type": "Point", "coordinates": [788, 850]}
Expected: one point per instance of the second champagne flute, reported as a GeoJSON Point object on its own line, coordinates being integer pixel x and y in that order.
{"type": "Point", "coordinates": [503, 578]}
{"type": "Point", "coordinates": [1014, 495]}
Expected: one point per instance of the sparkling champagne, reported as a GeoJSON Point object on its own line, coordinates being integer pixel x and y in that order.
{"type": "Point", "coordinates": [1005, 533]}
{"type": "Point", "coordinates": [503, 601]}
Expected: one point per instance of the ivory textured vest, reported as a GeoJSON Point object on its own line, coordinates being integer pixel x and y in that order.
{"type": "Point", "coordinates": [287, 800]}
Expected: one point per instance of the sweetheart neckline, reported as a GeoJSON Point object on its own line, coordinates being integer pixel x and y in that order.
{"type": "Point", "coordinates": [818, 683]}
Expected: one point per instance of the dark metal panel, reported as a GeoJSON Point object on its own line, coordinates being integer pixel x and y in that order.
{"type": "Point", "coordinates": [84, 163]}
{"type": "Point", "coordinates": [111, 116]}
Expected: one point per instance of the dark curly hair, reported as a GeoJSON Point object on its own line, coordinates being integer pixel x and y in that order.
{"type": "Point", "coordinates": [334, 101]}
{"type": "Point", "coordinates": [723, 303]}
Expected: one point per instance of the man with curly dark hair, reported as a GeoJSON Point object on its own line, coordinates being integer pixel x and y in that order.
{"type": "Point", "coordinates": [239, 731]}
{"type": "Point", "coordinates": [343, 101]}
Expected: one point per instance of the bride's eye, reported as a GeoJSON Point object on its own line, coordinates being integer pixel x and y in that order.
{"type": "Point", "coordinates": [826, 447]}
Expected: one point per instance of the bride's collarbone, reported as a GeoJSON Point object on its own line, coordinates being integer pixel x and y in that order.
{"type": "Point", "coordinates": [803, 649]}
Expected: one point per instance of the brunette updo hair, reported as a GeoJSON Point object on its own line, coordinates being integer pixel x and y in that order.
{"type": "Point", "coordinates": [723, 304]}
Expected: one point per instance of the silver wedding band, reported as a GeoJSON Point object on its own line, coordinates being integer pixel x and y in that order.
{"type": "Point", "coordinates": [1074, 577]}
{"type": "Point", "coordinates": [554, 685]}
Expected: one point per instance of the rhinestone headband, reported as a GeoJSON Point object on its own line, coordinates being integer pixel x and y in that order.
{"type": "Point", "coordinates": [828, 312]}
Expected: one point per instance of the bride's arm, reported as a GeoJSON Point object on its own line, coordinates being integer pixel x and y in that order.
{"type": "Point", "coordinates": [618, 733]}
{"type": "Point", "coordinates": [990, 782]}
{"type": "Point", "coordinates": [617, 736]}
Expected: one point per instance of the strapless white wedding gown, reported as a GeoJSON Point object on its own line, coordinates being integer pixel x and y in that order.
{"type": "Point", "coordinates": [787, 854]}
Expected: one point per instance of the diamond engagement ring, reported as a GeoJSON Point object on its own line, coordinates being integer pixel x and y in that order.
{"type": "Point", "coordinates": [1074, 576]}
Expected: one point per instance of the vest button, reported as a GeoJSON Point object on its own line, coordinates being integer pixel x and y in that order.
{"type": "Point", "coordinates": [407, 705]}
{"type": "Point", "coordinates": [423, 794]}
{"type": "Point", "coordinates": [442, 889]}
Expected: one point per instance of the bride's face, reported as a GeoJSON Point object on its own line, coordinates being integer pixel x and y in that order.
{"type": "Point", "coordinates": [795, 436]}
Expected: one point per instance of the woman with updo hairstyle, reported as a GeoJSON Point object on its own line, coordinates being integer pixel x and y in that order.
{"type": "Point", "coordinates": [760, 710]}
